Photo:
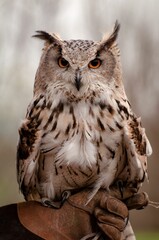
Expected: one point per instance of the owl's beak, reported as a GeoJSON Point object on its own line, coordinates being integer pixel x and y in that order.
{"type": "Point", "coordinates": [78, 78]}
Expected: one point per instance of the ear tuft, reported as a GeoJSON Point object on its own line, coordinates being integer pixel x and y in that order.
{"type": "Point", "coordinates": [50, 38]}
{"type": "Point", "coordinates": [112, 38]}
{"type": "Point", "coordinates": [108, 40]}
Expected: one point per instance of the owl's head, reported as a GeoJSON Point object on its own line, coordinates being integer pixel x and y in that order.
{"type": "Point", "coordinates": [78, 66]}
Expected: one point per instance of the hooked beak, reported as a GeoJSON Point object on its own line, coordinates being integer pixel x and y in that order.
{"type": "Point", "coordinates": [78, 78]}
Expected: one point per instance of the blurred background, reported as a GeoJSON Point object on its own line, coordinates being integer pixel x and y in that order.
{"type": "Point", "coordinates": [82, 19]}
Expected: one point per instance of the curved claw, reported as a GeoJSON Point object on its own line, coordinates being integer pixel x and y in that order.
{"type": "Point", "coordinates": [120, 185]}
{"type": "Point", "coordinates": [51, 204]}
{"type": "Point", "coordinates": [65, 196]}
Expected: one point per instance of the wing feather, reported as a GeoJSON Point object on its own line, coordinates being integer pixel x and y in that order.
{"type": "Point", "coordinates": [136, 148]}
{"type": "Point", "coordinates": [28, 149]}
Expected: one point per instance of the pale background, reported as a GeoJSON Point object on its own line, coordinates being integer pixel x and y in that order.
{"type": "Point", "coordinates": [86, 19]}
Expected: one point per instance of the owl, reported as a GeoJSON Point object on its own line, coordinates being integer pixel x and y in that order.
{"type": "Point", "coordinates": [80, 130]}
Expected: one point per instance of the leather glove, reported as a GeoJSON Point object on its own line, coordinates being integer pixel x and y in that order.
{"type": "Point", "coordinates": [104, 217]}
{"type": "Point", "coordinates": [111, 214]}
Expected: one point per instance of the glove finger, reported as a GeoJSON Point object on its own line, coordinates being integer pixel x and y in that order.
{"type": "Point", "coordinates": [138, 201]}
{"type": "Point", "coordinates": [115, 206]}
{"type": "Point", "coordinates": [110, 231]}
{"type": "Point", "coordinates": [107, 218]}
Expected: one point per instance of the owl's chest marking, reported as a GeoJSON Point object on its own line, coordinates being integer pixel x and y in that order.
{"type": "Point", "coordinates": [83, 133]}
{"type": "Point", "coordinates": [84, 141]}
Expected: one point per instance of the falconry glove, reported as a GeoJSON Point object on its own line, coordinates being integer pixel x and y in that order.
{"type": "Point", "coordinates": [104, 217]}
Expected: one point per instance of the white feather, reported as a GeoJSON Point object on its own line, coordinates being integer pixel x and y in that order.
{"type": "Point", "coordinates": [78, 151]}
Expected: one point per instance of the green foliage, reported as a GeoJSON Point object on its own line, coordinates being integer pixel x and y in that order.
{"type": "Point", "coordinates": [147, 236]}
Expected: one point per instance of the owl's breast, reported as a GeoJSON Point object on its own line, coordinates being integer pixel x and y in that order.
{"type": "Point", "coordinates": [80, 133]}
{"type": "Point", "coordinates": [83, 142]}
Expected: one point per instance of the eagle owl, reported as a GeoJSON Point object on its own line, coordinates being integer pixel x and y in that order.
{"type": "Point", "coordinates": [79, 130]}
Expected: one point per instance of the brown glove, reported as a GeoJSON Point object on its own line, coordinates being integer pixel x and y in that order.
{"type": "Point", "coordinates": [102, 216]}
{"type": "Point", "coordinates": [111, 214]}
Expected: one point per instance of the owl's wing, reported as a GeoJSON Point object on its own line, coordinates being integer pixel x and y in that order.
{"type": "Point", "coordinates": [137, 145]}
{"type": "Point", "coordinates": [136, 149]}
{"type": "Point", "coordinates": [28, 149]}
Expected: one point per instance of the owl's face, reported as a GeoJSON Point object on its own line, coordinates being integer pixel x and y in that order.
{"type": "Point", "coordinates": [76, 66]}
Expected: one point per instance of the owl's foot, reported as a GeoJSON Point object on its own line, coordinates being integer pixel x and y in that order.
{"type": "Point", "coordinates": [55, 204]}
{"type": "Point", "coordinates": [126, 189]}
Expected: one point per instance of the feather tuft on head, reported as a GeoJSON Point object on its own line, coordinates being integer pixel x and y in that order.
{"type": "Point", "coordinates": [49, 38]}
{"type": "Point", "coordinates": [109, 39]}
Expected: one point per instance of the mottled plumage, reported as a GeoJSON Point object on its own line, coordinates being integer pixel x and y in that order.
{"type": "Point", "coordinates": [79, 130]}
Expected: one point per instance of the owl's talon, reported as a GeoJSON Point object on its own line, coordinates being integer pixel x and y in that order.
{"type": "Point", "coordinates": [51, 204]}
{"type": "Point", "coordinates": [65, 196]}
{"type": "Point", "coordinates": [120, 185]}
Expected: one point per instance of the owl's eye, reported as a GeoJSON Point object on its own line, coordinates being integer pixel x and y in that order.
{"type": "Point", "coordinates": [63, 63]}
{"type": "Point", "coordinates": [95, 63]}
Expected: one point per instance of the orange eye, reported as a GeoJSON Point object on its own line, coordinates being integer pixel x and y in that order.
{"type": "Point", "coordinates": [95, 63]}
{"type": "Point", "coordinates": [63, 63]}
